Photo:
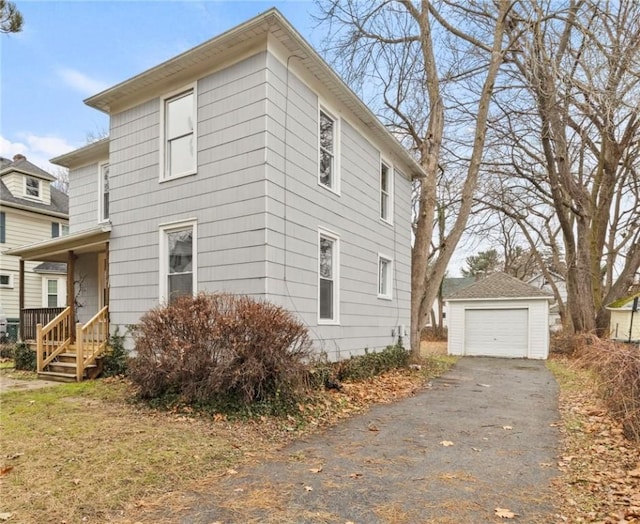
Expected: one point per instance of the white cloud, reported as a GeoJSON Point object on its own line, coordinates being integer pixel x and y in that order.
{"type": "Point", "coordinates": [81, 82]}
{"type": "Point", "coordinates": [37, 149]}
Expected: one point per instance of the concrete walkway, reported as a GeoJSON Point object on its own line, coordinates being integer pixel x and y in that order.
{"type": "Point", "coordinates": [482, 437]}
{"type": "Point", "coordinates": [10, 383]}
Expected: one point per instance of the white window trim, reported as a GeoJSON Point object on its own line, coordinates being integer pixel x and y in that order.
{"type": "Point", "coordinates": [336, 278]}
{"type": "Point", "coordinates": [389, 219]}
{"type": "Point", "coordinates": [101, 166]}
{"type": "Point", "coordinates": [388, 295]}
{"type": "Point", "coordinates": [40, 189]}
{"type": "Point", "coordinates": [336, 149]}
{"type": "Point", "coordinates": [61, 291]}
{"type": "Point", "coordinates": [10, 284]}
{"type": "Point", "coordinates": [163, 149]}
{"type": "Point", "coordinates": [164, 252]}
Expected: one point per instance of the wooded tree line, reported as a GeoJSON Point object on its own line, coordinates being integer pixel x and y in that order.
{"type": "Point", "coordinates": [524, 117]}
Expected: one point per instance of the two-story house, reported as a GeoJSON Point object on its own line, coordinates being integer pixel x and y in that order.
{"type": "Point", "coordinates": [243, 165]}
{"type": "Point", "coordinates": [31, 209]}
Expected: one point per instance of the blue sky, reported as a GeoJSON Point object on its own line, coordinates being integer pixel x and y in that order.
{"type": "Point", "coordinates": [70, 50]}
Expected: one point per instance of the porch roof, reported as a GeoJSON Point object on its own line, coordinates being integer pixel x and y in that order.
{"type": "Point", "coordinates": [91, 240]}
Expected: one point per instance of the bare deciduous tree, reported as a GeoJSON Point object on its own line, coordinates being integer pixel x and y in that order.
{"type": "Point", "coordinates": [11, 20]}
{"type": "Point", "coordinates": [566, 145]}
{"type": "Point", "coordinates": [414, 58]}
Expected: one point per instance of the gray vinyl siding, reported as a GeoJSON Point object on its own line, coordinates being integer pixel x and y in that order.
{"type": "Point", "coordinates": [298, 207]}
{"type": "Point", "coordinates": [83, 198]}
{"type": "Point", "coordinates": [226, 196]}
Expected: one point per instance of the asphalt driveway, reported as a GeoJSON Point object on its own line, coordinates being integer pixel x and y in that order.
{"type": "Point", "coordinates": [482, 437]}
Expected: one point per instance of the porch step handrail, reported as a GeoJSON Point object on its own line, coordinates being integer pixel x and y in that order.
{"type": "Point", "coordinates": [53, 338]}
{"type": "Point", "coordinates": [91, 340]}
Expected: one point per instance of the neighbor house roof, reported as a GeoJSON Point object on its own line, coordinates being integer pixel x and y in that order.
{"type": "Point", "coordinates": [22, 165]}
{"type": "Point", "coordinates": [623, 303]}
{"type": "Point", "coordinates": [59, 205]}
{"type": "Point", "coordinates": [189, 65]}
{"type": "Point", "coordinates": [51, 267]}
{"type": "Point", "coordinates": [451, 285]}
{"type": "Point", "coordinates": [499, 286]}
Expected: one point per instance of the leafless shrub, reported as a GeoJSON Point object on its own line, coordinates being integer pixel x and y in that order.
{"type": "Point", "coordinates": [208, 347]}
{"type": "Point", "coordinates": [569, 344]}
{"type": "Point", "coordinates": [617, 366]}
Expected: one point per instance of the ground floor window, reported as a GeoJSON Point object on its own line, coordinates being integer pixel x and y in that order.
{"type": "Point", "coordinates": [328, 251]}
{"type": "Point", "coordinates": [53, 291]}
{"type": "Point", "coordinates": [385, 277]}
{"type": "Point", "coordinates": [178, 255]}
{"type": "Point", "coordinates": [6, 280]}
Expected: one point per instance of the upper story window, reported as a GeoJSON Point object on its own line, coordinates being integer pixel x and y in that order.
{"type": "Point", "coordinates": [59, 229]}
{"type": "Point", "coordinates": [179, 140]}
{"type": "Point", "coordinates": [103, 193]}
{"type": "Point", "coordinates": [32, 187]}
{"type": "Point", "coordinates": [386, 192]}
{"type": "Point", "coordinates": [328, 151]}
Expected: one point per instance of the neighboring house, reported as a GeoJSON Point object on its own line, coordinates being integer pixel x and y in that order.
{"type": "Point", "coordinates": [31, 209]}
{"type": "Point", "coordinates": [449, 286]}
{"type": "Point", "coordinates": [499, 316]}
{"type": "Point", "coordinates": [243, 165]}
{"type": "Point", "coordinates": [625, 318]}
{"type": "Point", "coordinates": [541, 282]}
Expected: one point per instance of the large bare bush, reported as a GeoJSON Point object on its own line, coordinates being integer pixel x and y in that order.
{"type": "Point", "coordinates": [617, 366]}
{"type": "Point", "coordinates": [213, 346]}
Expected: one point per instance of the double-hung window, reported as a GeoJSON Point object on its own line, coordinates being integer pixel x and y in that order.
{"type": "Point", "coordinates": [178, 260]}
{"type": "Point", "coordinates": [386, 191]}
{"type": "Point", "coordinates": [179, 140]}
{"type": "Point", "coordinates": [328, 278]}
{"type": "Point", "coordinates": [32, 187]}
{"type": "Point", "coordinates": [103, 192]}
{"type": "Point", "coordinates": [52, 293]}
{"type": "Point", "coordinates": [328, 151]}
{"type": "Point", "coordinates": [3, 227]}
{"type": "Point", "coordinates": [385, 277]}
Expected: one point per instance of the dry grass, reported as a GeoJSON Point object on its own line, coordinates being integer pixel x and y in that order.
{"type": "Point", "coordinates": [83, 453]}
{"type": "Point", "coordinates": [79, 451]}
{"type": "Point", "coordinates": [600, 479]}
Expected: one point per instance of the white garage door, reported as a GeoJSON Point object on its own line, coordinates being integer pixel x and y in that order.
{"type": "Point", "coordinates": [496, 332]}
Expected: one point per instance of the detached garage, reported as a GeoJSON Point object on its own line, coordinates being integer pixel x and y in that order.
{"type": "Point", "coordinates": [499, 316]}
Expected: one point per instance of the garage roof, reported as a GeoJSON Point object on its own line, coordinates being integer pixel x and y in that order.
{"type": "Point", "coordinates": [499, 286]}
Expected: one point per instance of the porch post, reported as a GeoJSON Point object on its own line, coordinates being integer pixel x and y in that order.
{"type": "Point", "coordinates": [71, 292]}
{"type": "Point", "coordinates": [21, 299]}
{"type": "Point", "coordinates": [107, 291]}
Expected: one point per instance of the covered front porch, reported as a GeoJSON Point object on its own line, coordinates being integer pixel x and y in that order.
{"type": "Point", "coordinates": [69, 341]}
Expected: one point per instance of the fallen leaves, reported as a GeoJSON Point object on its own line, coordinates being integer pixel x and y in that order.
{"type": "Point", "coordinates": [504, 513]}
{"type": "Point", "coordinates": [600, 468]}
{"type": "Point", "coordinates": [446, 443]}
{"type": "Point", "coordinates": [316, 470]}
{"type": "Point", "coordinates": [5, 470]}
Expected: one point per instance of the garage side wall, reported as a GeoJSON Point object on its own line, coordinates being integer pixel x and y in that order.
{"type": "Point", "coordinates": [537, 326]}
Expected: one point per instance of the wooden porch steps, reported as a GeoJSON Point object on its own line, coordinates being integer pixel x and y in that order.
{"type": "Point", "coordinates": [64, 368]}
